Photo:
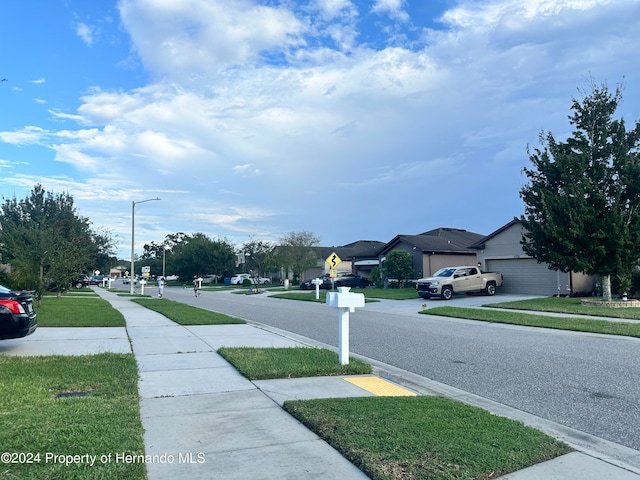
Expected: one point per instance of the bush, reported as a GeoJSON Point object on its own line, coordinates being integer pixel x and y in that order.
{"type": "Point", "coordinates": [246, 282]}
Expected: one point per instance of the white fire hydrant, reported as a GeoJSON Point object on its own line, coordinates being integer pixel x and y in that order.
{"type": "Point", "coordinates": [346, 302]}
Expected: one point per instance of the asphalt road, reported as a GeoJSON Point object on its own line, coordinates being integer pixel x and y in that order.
{"type": "Point", "coordinates": [587, 382]}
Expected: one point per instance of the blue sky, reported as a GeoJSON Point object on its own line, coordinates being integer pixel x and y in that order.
{"type": "Point", "coordinates": [353, 119]}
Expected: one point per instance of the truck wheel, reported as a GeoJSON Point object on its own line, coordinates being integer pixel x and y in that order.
{"type": "Point", "coordinates": [491, 289]}
{"type": "Point", "coordinates": [447, 293]}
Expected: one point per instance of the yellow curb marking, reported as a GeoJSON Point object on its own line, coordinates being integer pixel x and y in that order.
{"type": "Point", "coordinates": [380, 387]}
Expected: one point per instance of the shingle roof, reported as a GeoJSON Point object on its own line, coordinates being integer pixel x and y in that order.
{"type": "Point", "coordinates": [442, 240]}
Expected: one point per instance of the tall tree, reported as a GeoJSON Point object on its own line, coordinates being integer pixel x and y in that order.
{"type": "Point", "coordinates": [46, 241]}
{"type": "Point", "coordinates": [197, 254]}
{"type": "Point", "coordinates": [255, 254]}
{"type": "Point", "coordinates": [295, 253]}
{"type": "Point", "coordinates": [582, 201]}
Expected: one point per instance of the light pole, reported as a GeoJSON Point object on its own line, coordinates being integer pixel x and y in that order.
{"type": "Point", "coordinates": [133, 222]}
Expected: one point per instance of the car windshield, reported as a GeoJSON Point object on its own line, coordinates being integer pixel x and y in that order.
{"type": "Point", "coordinates": [444, 272]}
{"type": "Point", "coordinates": [4, 289]}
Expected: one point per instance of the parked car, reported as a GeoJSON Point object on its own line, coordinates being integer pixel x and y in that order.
{"type": "Point", "coordinates": [96, 279]}
{"type": "Point", "coordinates": [350, 280]}
{"type": "Point", "coordinates": [171, 278]}
{"type": "Point", "coordinates": [127, 280]}
{"type": "Point", "coordinates": [17, 315]}
{"type": "Point", "coordinates": [81, 281]}
{"type": "Point", "coordinates": [211, 278]}
{"type": "Point", "coordinates": [325, 285]}
{"type": "Point", "coordinates": [464, 279]}
{"type": "Point", "coordinates": [239, 278]}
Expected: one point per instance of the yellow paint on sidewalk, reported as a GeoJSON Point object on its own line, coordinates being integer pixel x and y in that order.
{"type": "Point", "coordinates": [380, 387]}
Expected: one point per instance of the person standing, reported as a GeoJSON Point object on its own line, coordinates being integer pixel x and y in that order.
{"type": "Point", "coordinates": [160, 287]}
{"type": "Point", "coordinates": [196, 285]}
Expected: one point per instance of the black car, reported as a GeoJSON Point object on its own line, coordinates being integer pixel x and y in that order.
{"type": "Point", "coordinates": [350, 280]}
{"type": "Point", "coordinates": [17, 315]}
{"type": "Point", "coordinates": [81, 281]}
{"type": "Point", "coordinates": [309, 285]}
{"type": "Point", "coordinates": [96, 279]}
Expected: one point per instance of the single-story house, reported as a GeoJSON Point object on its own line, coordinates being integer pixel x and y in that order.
{"type": "Point", "coordinates": [359, 257]}
{"type": "Point", "coordinates": [435, 249]}
{"type": "Point", "coordinates": [501, 251]}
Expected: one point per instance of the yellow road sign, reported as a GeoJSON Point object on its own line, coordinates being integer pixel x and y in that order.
{"type": "Point", "coordinates": [333, 260]}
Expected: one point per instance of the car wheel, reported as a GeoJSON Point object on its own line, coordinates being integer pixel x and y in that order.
{"type": "Point", "coordinates": [78, 284]}
{"type": "Point", "coordinates": [447, 293]}
{"type": "Point", "coordinates": [491, 289]}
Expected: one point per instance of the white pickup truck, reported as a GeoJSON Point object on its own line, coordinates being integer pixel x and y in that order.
{"type": "Point", "coordinates": [450, 280]}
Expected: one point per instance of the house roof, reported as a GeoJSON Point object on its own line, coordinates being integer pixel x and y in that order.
{"type": "Point", "coordinates": [439, 240]}
{"type": "Point", "coordinates": [479, 245]}
{"type": "Point", "coordinates": [359, 249]}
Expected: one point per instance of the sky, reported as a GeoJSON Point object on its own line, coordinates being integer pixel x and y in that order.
{"type": "Point", "coordinates": [251, 119]}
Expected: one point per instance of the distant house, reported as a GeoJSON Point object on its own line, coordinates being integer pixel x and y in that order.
{"type": "Point", "coordinates": [435, 249]}
{"type": "Point", "coordinates": [501, 251]}
{"type": "Point", "coordinates": [359, 257]}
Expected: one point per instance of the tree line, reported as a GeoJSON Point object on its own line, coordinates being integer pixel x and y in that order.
{"type": "Point", "coordinates": [45, 244]}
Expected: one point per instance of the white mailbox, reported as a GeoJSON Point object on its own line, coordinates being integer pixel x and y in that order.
{"type": "Point", "coordinates": [345, 299]}
{"type": "Point", "coordinates": [346, 302]}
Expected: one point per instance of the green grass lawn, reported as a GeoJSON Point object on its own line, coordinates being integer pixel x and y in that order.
{"type": "Point", "coordinates": [369, 294]}
{"type": "Point", "coordinates": [310, 296]}
{"type": "Point", "coordinates": [424, 438]}
{"type": "Point", "coordinates": [419, 438]}
{"type": "Point", "coordinates": [186, 314]}
{"type": "Point", "coordinates": [569, 305]}
{"type": "Point", "coordinates": [37, 417]}
{"type": "Point", "coordinates": [268, 363]}
{"type": "Point", "coordinates": [528, 319]}
{"type": "Point", "coordinates": [78, 312]}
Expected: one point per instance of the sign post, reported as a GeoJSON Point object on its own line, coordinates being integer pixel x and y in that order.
{"type": "Point", "coordinates": [346, 302]}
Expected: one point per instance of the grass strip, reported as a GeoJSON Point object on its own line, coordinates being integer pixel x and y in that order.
{"type": "Point", "coordinates": [290, 362]}
{"type": "Point", "coordinates": [369, 294]}
{"type": "Point", "coordinates": [310, 296]}
{"type": "Point", "coordinates": [590, 325]}
{"type": "Point", "coordinates": [78, 312]}
{"type": "Point", "coordinates": [424, 437]}
{"type": "Point", "coordinates": [186, 314]}
{"type": "Point", "coordinates": [35, 420]}
{"type": "Point", "coordinates": [569, 305]}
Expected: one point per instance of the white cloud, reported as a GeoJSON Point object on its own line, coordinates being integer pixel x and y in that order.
{"type": "Point", "coordinates": [85, 32]}
{"type": "Point", "coordinates": [198, 37]}
{"type": "Point", "coordinates": [392, 8]}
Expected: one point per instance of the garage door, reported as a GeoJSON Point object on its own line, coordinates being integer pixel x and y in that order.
{"type": "Point", "coordinates": [526, 276]}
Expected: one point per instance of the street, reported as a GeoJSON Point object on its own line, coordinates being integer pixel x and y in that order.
{"type": "Point", "coordinates": [587, 382]}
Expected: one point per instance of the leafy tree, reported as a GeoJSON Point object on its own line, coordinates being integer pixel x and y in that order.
{"type": "Point", "coordinates": [46, 241]}
{"type": "Point", "coordinates": [295, 253]}
{"type": "Point", "coordinates": [197, 254]}
{"type": "Point", "coordinates": [256, 253]}
{"type": "Point", "coordinates": [398, 265]}
{"type": "Point", "coordinates": [582, 202]}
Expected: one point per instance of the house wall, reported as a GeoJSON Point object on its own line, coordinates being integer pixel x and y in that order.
{"type": "Point", "coordinates": [432, 263]}
{"type": "Point", "coordinates": [522, 273]}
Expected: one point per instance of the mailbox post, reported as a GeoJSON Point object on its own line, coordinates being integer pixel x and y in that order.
{"type": "Point", "coordinates": [143, 282]}
{"type": "Point", "coordinates": [346, 302]}
{"type": "Point", "coordinates": [317, 282]}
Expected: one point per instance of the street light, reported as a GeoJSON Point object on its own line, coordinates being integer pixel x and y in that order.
{"type": "Point", "coordinates": [133, 216]}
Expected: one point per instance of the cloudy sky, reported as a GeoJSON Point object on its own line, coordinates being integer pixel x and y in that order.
{"type": "Point", "coordinates": [352, 119]}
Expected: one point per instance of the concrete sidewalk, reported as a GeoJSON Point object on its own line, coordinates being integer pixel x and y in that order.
{"type": "Point", "coordinates": [203, 420]}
